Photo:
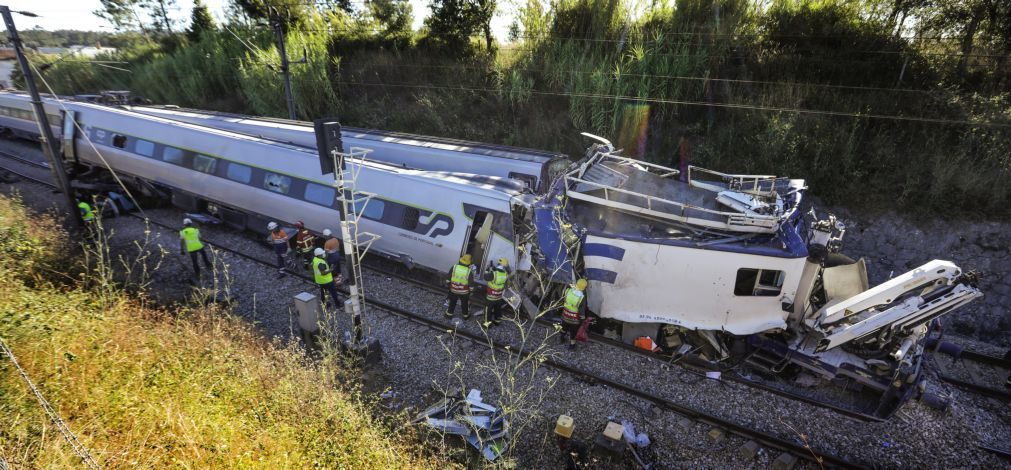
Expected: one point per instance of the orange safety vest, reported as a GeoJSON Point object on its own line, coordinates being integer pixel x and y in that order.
{"type": "Point", "coordinates": [278, 237]}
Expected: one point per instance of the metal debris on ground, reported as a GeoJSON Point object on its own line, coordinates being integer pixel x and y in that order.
{"type": "Point", "coordinates": [203, 218]}
{"type": "Point", "coordinates": [640, 440]}
{"type": "Point", "coordinates": [483, 426]}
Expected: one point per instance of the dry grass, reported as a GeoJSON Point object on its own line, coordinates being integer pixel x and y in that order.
{"type": "Point", "coordinates": [146, 388]}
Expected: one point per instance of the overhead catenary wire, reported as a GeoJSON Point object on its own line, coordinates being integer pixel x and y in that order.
{"type": "Point", "coordinates": [87, 139]}
{"type": "Point", "coordinates": [669, 77]}
{"type": "Point", "coordinates": [60, 424]}
{"type": "Point", "coordinates": [692, 103]}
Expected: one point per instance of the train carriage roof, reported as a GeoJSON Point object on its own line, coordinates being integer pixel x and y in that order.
{"type": "Point", "coordinates": [443, 143]}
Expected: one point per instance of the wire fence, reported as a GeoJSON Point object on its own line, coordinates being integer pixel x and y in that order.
{"type": "Point", "coordinates": [61, 425]}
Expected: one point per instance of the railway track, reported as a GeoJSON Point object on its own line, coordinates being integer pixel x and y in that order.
{"type": "Point", "coordinates": [799, 450]}
{"type": "Point", "coordinates": [970, 362]}
{"type": "Point", "coordinates": [691, 365]}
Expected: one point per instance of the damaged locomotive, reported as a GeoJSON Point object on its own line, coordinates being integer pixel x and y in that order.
{"type": "Point", "coordinates": [729, 269]}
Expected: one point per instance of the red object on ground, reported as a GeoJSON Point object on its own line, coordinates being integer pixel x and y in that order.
{"type": "Point", "coordinates": [584, 331]}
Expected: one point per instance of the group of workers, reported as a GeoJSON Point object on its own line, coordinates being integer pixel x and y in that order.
{"type": "Point", "coordinates": [324, 261]}
{"type": "Point", "coordinates": [461, 278]}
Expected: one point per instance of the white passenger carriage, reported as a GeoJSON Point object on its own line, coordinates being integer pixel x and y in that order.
{"type": "Point", "coordinates": [17, 117]}
{"type": "Point", "coordinates": [536, 168]}
{"type": "Point", "coordinates": [424, 219]}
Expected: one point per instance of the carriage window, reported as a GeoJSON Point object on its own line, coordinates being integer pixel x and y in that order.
{"type": "Point", "coordinates": [240, 173]}
{"type": "Point", "coordinates": [411, 216]}
{"type": "Point", "coordinates": [204, 164]}
{"type": "Point", "coordinates": [119, 141]}
{"type": "Point", "coordinates": [144, 148]}
{"type": "Point", "coordinates": [758, 282]}
{"type": "Point", "coordinates": [530, 180]}
{"type": "Point", "coordinates": [277, 183]}
{"type": "Point", "coordinates": [171, 155]}
{"type": "Point", "coordinates": [319, 194]}
{"type": "Point", "coordinates": [370, 208]}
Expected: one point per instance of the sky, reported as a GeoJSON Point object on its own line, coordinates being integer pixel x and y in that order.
{"type": "Point", "coordinates": [77, 14]}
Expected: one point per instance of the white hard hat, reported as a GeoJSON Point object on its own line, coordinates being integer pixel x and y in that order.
{"type": "Point", "coordinates": [271, 226]}
{"type": "Point", "coordinates": [318, 252]}
{"type": "Point", "coordinates": [327, 232]}
{"type": "Point", "coordinates": [187, 221]}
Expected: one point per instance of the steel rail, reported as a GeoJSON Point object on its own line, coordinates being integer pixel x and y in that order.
{"type": "Point", "coordinates": [688, 366]}
{"type": "Point", "coordinates": [1001, 452]}
{"type": "Point", "coordinates": [22, 159]}
{"type": "Point", "coordinates": [799, 450]}
{"type": "Point", "coordinates": [1002, 362]}
{"type": "Point", "coordinates": [976, 388]}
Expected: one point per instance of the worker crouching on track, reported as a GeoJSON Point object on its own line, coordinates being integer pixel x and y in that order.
{"type": "Point", "coordinates": [189, 242]}
{"type": "Point", "coordinates": [323, 275]}
{"type": "Point", "coordinates": [87, 216]}
{"type": "Point", "coordinates": [461, 276]}
{"type": "Point", "coordinates": [305, 243]}
{"type": "Point", "coordinates": [279, 242]}
{"type": "Point", "coordinates": [497, 279]}
{"type": "Point", "coordinates": [573, 311]}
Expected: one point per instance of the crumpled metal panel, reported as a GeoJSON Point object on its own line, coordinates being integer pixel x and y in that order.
{"type": "Point", "coordinates": [556, 261]}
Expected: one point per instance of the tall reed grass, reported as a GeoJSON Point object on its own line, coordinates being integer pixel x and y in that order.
{"type": "Point", "coordinates": [644, 81]}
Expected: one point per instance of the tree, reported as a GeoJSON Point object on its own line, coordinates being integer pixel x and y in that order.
{"type": "Point", "coordinates": [158, 10]}
{"type": "Point", "coordinates": [120, 13]}
{"type": "Point", "coordinates": [201, 21]}
{"type": "Point", "coordinates": [968, 19]}
{"type": "Point", "coordinates": [289, 12]}
{"type": "Point", "coordinates": [394, 16]}
{"type": "Point", "coordinates": [453, 22]}
{"type": "Point", "coordinates": [330, 5]}
{"type": "Point", "coordinates": [484, 11]}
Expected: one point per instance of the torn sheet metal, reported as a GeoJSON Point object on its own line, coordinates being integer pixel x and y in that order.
{"type": "Point", "coordinates": [482, 425]}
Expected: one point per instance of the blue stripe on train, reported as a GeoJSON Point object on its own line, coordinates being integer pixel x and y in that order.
{"type": "Point", "coordinates": [607, 251]}
{"type": "Point", "coordinates": [602, 275]}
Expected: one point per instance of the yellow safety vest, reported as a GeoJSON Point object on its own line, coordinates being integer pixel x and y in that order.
{"type": "Point", "coordinates": [570, 310]}
{"type": "Point", "coordinates": [496, 285]}
{"type": "Point", "coordinates": [192, 238]}
{"type": "Point", "coordinates": [87, 214]}
{"type": "Point", "coordinates": [459, 282]}
{"type": "Point", "coordinates": [317, 272]}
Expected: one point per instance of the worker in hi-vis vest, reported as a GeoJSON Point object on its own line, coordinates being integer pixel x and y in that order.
{"type": "Point", "coordinates": [573, 306]}
{"type": "Point", "coordinates": [322, 273]}
{"type": "Point", "coordinates": [87, 213]}
{"type": "Point", "coordinates": [189, 242]}
{"type": "Point", "coordinates": [496, 279]}
{"type": "Point", "coordinates": [461, 276]}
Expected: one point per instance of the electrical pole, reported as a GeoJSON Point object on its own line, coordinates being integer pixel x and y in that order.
{"type": "Point", "coordinates": [46, 132]}
{"type": "Point", "coordinates": [279, 31]}
{"type": "Point", "coordinates": [334, 160]}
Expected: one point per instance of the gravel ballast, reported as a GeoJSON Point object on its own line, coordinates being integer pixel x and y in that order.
{"type": "Point", "coordinates": [417, 360]}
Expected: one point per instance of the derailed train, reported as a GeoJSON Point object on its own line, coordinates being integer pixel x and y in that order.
{"type": "Point", "coordinates": [721, 265]}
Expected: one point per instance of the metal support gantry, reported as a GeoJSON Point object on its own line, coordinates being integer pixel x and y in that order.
{"type": "Point", "coordinates": [356, 243]}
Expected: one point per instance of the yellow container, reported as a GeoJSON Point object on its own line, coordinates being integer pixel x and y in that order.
{"type": "Point", "coordinates": [564, 426]}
